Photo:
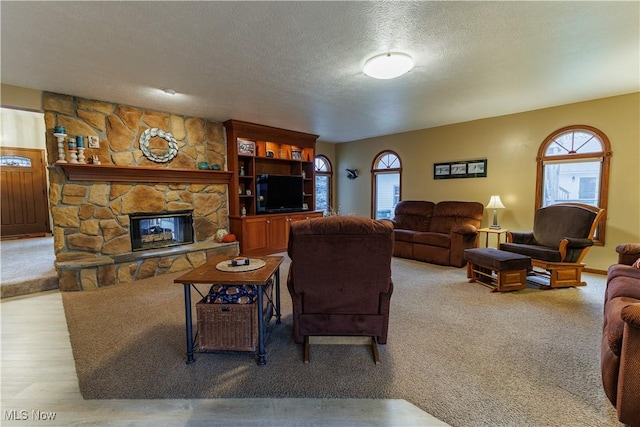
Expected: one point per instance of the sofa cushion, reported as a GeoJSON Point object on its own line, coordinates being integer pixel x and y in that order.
{"type": "Point", "coordinates": [550, 226]}
{"type": "Point", "coordinates": [402, 235]}
{"type": "Point", "coordinates": [433, 239]}
{"type": "Point", "coordinates": [447, 215]}
{"type": "Point", "coordinates": [413, 215]}
{"type": "Point", "coordinates": [534, 251]}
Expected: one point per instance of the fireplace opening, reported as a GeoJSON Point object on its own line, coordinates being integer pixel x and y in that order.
{"type": "Point", "coordinates": [152, 231]}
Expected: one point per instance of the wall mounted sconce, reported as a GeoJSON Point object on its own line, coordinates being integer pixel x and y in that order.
{"type": "Point", "coordinates": [352, 173]}
{"type": "Point", "coordinates": [495, 203]}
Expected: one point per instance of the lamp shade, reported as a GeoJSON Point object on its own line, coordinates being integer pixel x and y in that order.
{"type": "Point", "coordinates": [388, 65]}
{"type": "Point", "coordinates": [495, 203]}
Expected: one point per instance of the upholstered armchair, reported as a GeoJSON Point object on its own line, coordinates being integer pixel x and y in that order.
{"type": "Point", "coordinates": [620, 349]}
{"type": "Point", "coordinates": [340, 278]}
{"type": "Point", "coordinates": [562, 234]}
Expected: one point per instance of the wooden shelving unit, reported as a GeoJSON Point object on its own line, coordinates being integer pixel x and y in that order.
{"type": "Point", "coordinates": [266, 150]}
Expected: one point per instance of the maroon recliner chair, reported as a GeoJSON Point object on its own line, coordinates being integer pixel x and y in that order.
{"type": "Point", "coordinates": [340, 278]}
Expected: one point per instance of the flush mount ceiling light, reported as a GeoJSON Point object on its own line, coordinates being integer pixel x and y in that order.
{"type": "Point", "coordinates": [169, 91]}
{"type": "Point", "coordinates": [388, 65]}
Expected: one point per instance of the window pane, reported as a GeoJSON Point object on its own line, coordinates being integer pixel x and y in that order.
{"type": "Point", "coordinates": [322, 192]}
{"type": "Point", "coordinates": [388, 161]}
{"type": "Point", "coordinates": [387, 192]}
{"type": "Point", "coordinates": [321, 165]}
{"type": "Point", "coordinates": [574, 142]}
{"type": "Point", "coordinates": [22, 162]}
{"type": "Point", "coordinates": [571, 182]}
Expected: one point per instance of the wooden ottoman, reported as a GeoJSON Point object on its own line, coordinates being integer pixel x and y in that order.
{"type": "Point", "coordinates": [500, 270]}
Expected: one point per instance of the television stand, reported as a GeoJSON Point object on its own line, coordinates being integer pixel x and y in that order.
{"type": "Point", "coordinates": [266, 233]}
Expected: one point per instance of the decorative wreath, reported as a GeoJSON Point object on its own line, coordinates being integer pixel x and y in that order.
{"type": "Point", "coordinates": [171, 152]}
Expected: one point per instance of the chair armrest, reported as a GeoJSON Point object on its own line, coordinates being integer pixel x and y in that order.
{"type": "Point", "coordinates": [628, 394]}
{"type": "Point", "coordinates": [578, 242]}
{"type": "Point", "coordinates": [393, 223]}
{"type": "Point", "coordinates": [631, 315]}
{"type": "Point", "coordinates": [628, 253]}
{"type": "Point", "coordinates": [464, 229]}
{"type": "Point", "coordinates": [522, 237]}
{"type": "Point", "coordinates": [574, 249]}
{"type": "Point", "coordinates": [463, 236]}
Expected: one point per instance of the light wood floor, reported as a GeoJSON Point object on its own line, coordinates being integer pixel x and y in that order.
{"type": "Point", "coordinates": [39, 387]}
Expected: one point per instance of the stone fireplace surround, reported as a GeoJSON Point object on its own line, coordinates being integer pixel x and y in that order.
{"type": "Point", "coordinates": [90, 204]}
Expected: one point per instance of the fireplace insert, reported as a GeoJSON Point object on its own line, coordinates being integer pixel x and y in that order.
{"type": "Point", "coordinates": [160, 230]}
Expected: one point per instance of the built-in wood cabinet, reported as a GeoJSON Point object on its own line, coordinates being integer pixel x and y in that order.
{"type": "Point", "coordinates": [254, 150]}
{"type": "Point", "coordinates": [265, 234]}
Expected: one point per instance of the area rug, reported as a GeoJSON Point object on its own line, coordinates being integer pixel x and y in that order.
{"type": "Point", "coordinates": [456, 350]}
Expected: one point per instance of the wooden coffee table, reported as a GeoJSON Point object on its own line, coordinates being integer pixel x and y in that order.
{"type": "Point", "coordinates": [208, 274]}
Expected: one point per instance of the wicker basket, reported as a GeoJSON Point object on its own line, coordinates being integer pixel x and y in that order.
{"type": "Point", "coordinates": [230, 326]}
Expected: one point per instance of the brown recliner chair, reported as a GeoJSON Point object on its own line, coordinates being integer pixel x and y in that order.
{"type": "Point", "coordinates": [562, 234]}
{"type": "Point", "coordinates": [340, 278]}
{"type": "Point", "coordinates": [620, 350]}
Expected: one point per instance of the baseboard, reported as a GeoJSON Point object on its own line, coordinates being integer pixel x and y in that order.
{"type": "Point", "coordinates": [594, 271]}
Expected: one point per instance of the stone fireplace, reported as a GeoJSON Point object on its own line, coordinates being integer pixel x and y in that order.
{"type": "Point", "coordinates": [160, 230]}
{"type": "Point", "coordinates": [92, 206]}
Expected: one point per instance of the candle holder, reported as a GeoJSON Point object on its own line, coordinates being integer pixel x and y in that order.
{"type": "Point", "coordinates": [73, 151]}
{"type": "Point", "coordinates": [81, 158]}
{"type": "Point", "coordinates": [60, 137]}
{"type": "Point", "coordinates": [80, 145]}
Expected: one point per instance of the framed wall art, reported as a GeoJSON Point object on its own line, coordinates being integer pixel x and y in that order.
{"type": "Point", "coordinates": [460, 169]}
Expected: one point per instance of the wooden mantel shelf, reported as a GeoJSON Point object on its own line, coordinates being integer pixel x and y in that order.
{"type": "Point", "coordinates": [111, 173]}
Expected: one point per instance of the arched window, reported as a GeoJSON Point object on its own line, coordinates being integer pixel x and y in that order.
{"type": "Point", "coordinates": [324, 173]}
{"type": "Point", "coordinates": [385, 184]}
{"type": "Point", "coordinates": [573, 166]}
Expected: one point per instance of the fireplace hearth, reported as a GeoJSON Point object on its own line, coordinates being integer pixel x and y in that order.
{"type": "Point", "coordinates": [161, 230]}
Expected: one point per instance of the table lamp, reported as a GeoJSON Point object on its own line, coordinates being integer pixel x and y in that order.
{"type": "Point", "coordinates": [495, 203]}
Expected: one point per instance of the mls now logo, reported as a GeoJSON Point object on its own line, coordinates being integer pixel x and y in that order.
{"type": "Point", "coordinates": [23, 415]}
{"type": "Point", "coordinates": [16, 415]}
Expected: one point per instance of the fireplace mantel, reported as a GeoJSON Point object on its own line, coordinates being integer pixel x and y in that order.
{"type": "Point", "coordinates": [111, 173]}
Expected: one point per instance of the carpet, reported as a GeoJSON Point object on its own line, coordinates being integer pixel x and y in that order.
{"type": "Point", "coordinates": [456, 350]}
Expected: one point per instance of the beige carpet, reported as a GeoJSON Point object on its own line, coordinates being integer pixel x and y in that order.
{"type": "Point", "coordinates": [27, 266]}
{"type": "Point", "coordinates": [456, 350]}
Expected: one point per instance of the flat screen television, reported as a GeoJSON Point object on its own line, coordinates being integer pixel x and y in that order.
{"type": "Point", "coordinates": [279, 193]}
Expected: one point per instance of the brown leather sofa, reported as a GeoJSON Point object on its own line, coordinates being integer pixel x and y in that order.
{"type": "Point", "coordinates": [620, 351]}
{"type": "Point", "coordinates": [436, 233]}
{"type": "Point", "coordinates": [340, 278]}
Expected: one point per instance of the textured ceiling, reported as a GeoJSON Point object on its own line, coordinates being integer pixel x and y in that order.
{"type": "Point", "coordinates": [298, 65]}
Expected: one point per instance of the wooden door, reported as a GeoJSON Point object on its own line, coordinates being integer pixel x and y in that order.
{"type": "Point", "coordinates": [23, 192]}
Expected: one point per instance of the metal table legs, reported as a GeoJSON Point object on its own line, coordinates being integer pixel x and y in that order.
{"type": "Point", "coordinates": [262, 360]}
